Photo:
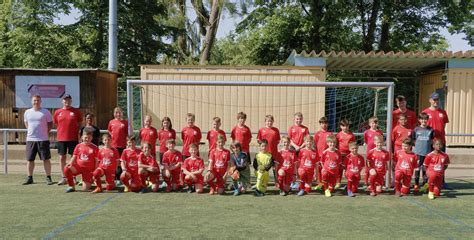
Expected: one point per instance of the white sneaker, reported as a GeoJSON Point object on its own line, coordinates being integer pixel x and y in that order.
{"type": "Point", "coordinates": [63, 181]}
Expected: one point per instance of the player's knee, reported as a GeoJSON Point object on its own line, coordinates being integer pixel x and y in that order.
{"type": "Point", "coordinates": [281, 172]}
{"type": "Point", "coordinates": [372, 172]}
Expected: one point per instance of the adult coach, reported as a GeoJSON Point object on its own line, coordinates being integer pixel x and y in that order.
{"type": "Point", "coordinates": [68, 120]}
{"type": "Point", "coordinates": [402, 109]}
{"type": "Point", "coordinates": [38, 122]}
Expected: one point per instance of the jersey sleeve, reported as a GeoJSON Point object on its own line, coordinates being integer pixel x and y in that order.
{"type": "Point", "coordinates": [447, 162]}
{"type": "Point", "coordinates": [362, 162]}
{"type": "Point", "coordinates": [199, 135]}
{"type": "Point", "coordinates": [259, 135]}
{"type": "Point", "coordinates": [415, 162]}
{"type": "Point", "coordinates": [76, 150]}
{"type": "Point", "coordinates": [427, 161]}
{"type": "Point", "coordinates": [79, 116]}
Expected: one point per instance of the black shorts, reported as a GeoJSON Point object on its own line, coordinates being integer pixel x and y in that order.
{"type": "Point", "coordinates": [37, 147]}
{"type": "Point", "coordinates": [66, 147]}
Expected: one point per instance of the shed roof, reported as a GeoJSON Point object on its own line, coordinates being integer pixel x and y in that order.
{"type": "Point", "coordinates": [60, 70]}
{"type": "Point", "coordinates": [383, 60]}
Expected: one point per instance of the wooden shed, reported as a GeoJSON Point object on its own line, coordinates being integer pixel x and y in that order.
{"type": "Point", "coordinates": [93, 91]}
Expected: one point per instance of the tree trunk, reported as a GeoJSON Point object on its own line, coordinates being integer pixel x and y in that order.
{"type": "Point", "coordinates": [181, 40]}
{"type": "Point", "coordinates": [369, 38]}
{"type": "Point", "coordinates": [386, 23]}
{"type": "Point", "coordinates": [211, 31]}
{"type": "Point", "coordinates": [317, 16]}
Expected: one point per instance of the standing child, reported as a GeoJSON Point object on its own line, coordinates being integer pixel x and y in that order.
{"type": "Point", "coordinates": [239, 169]}
{"type": "Point", "coordinates": [297, 133]}
{"type": "Point", "coordinates": [129, 161]}
{"type": "Point", "coordinates": [192, 170]}
{"type": "Point", "coordinates": [108, 161]}
{"type": "Point", "coordinates": [344, 137]}
{"type": "Point", "coordinates": [118, 130]}
{"type": "Point", "coordinates": [354, 162]}
{"type": "Point", "coordinates": [166, 133]}
{"type": "Point", "coordinates": [436, 163]}
{"type": "Point", "coordinates": [242, 134]}
{"type": "Point", "coordinates": [369, 136]}
{"type": "Point", "coordinates": [218, 166]}
{"type": "Point", "coordinates": [286, 166]}
{"type": "Point", "coordinates": [148, 168]}
{"type": "Point", "coordinates": [89, 117]}
{"type": "Point", "coordinates": [262, 164]}
{"type": "Point", "coordinates": [149, 134]}
{"type": "Point", "coordinates": [377, 160]}
{"type": "Point", "coordinates": [331, 161]}
{"type": "Point", "coordinates": [190, 134]}
{"type": "Point", "coordinates": [321, 145]}
{"type": "Point", "coordinates": [272, 135]}
{"type": "Point", "coordinates": [308, 160]}
{"type": "Point", "coordinates": [423, 136]}
{"type": "Point", "coordinates": [83, 161]}
{"type": "Point", "coordinates": [214, 133]}
{"type": "Point", "coordinates": [407, 161]}
{"type": "Point", "coordinates": [172, 161]}
{"type": "Point", "coordinates": [400, 133]}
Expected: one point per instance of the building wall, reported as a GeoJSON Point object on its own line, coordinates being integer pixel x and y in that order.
{"type": "Point", "coordinates": [429, 82]}
{"type": "Point", "coordinates": [225, 102]}
{"type": "Point", "coordinates": [460, 104]}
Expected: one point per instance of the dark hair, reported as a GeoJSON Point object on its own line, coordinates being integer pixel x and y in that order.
{"type": "Point", "coordinates": [423, 116]}
{"type": "Point", "coordinates": [166, 119]}
{"type": "Point", "coordinates": [344, 122]}
{"type": "Point", "coordinates": [323, 120]}
{"type": "Point", "coordinates": [408, 141]}
{"type": "Point", "coordinates": [263, 141]}
{"type": "Point", "coordinates": [400, 98]}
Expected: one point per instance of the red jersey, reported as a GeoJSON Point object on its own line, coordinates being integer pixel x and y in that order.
{"type": "Point", "coordinates": [287, 161]}
{"type": "Point", "coordinates": [308, 159]}
{"type": "Point", "coordinates": [378, 159]}
{"type": "Point", "coordinates": [354, 163]}
{"type": "Point", "coordinates": [297, 134]}
{"type": "Point", "coordinates": [436, 162]}
{"type": "Point", "coordinates": [406, 161]}
{"type": "Point", "coordinates": [172, 158]}
{"type": "Point", "coordinates": [343, 140]}
{"type": "Point", "coordinates": [130, 157]}
{"type": "Point", "coordinates": [320, 140]}
{"type": "Point", "coordinates": [108, 158]}
{"type": "Point", "coordinates": [118, 130]}
{"type": "Point", "coordinates": [149, 135]}
{"type": "Point", "coordinates": [190, 135]}
{"type": "Point", "coordinates": [147, 160]}
{"type": "Point", "coordinates": [219, 160]}
{"type": "Point", "coordinates": [272, 135]}
{"type": "Point", "coordinates": [68, 122]}
{"type": "Point", "coordinates": [163, 136]}
{"type": "Point", "coordinates": [438, 119]}
{"type": "Point", "coordinates": [192, 165]}
{"type": "Point", "coordinates": [369, 138]}
{"type": "Point", "coordinates": [331, 161]}
{"type": "Point", "coordinates": [243, 135]}
{"type": "Point", "coordinates": [411, 118]}
{"type": "Point", "coordinates": [86, 156]}
{"type": "Point", "coordinates": [399, 134]}
{"type": "Point", "coordinates": [212, 137]}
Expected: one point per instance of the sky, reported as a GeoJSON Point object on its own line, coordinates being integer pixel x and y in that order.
{"type": "Point", "coordinates": [455, 41]}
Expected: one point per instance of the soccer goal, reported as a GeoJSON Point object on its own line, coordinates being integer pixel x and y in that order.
{"type": "Point", "coordinates": [354, 101]}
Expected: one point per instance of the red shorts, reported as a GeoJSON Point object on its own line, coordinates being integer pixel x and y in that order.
{"type": "Point", "coordinates": [85, 173]}
{"type": "Point", "coordinates": [329, 177]}
{"type": "Point", "coordinates": [306, 175]}
{"type": "Point", "coordinates": [218, 178]}
{"type": "Point", "coordinates": [376, 180]}
{"type": "Point", "coordinates": [175, 177]}
{"type": "Point", "coordinates": [199, 180]}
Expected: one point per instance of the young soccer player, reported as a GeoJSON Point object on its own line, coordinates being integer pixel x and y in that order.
{"type": "Point", "coordinates": [241, 133]}
{"type": "Point", "coordinates": [272, 135]}
{"type": "Point", "coordinates": [400, 133]}
{"type": "Point", "coordinates": [344, 137]}
{"type": "Point", "coordinates": [369, 143]}
{"type": "Point", "coordinates": [297, 133]}
{"type": "Point", "coordinates": [331, 160]}
{"type": "Point", "coordinates": [214, 133]}
{"type": "Point", "coordinates": [129, 161]}
{"type": "Point", "coordinates": [84, 161]}
{"type": "Point", "coordinates": [89, 120]}
{"type": "Point", "coordinates": [423, 137]}
{"type": "Point", "coordinates": [239, 169]}
{"type": "Point", "coordinates": [193, 167]}
{"type": "Point", "coordinates": [286, 166]}
{"type": "Point", "coordinates": [407, 161]}
{"type": "Point", "coordinates": [166, 132]}
{"type": "Point", "coordinates": [377, 161]}
{"type": "Point", "coordinates": [353, 162]}
{"type": "Point", "coordinates": [118, 130]}
{"type": "Point", "coordinates": [148, 168]}
{"type": "Point", "coordinates": [262, 163]}
{"type": "Point", "coordinates": [190, 134]}
{"type": "Point", "coordinates": [108, 161]}
{"type": "Point", "coordinates": [218, 166]}
{"type": "Point", "coordinates": [308, 160]}
{"type": "Point", "coordinates": [436, 164]}
{"type": "Point", "coordinates": [320, 140]}
{"type": "Point", "coordinates": [172, 161]}
{"type": "Point", "coordinates": [149, 134]}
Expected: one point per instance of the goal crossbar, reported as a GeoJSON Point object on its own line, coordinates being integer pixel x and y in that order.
{"type": "Point", "coordinates": [389, 85]}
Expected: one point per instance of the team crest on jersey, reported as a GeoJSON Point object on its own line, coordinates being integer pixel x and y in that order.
{"type": "Point", "coordinates": [91, 151]}
{"type": "Point", "coordinates": [133, 163]}
{"type": "Point", "coordinates": [71, 114]}
{"type": "Point", "coordinates": [195, 133]}
{"type": "Point", "coordinates": [286, 163]}
{"type": "Point", "coordinates": [303, 130]}
{"type": "Point", "coordinates": [307, 163]}
{"type": "Point", "coordinates": [176, 158]}
{"type": "Point", "coordinates": [122, 125]}
{"type": "Point", "coordinates": [106, 161]}
{"type": "Point", "coordinates": [151, 133]}
{"type": "Point", "coordinates": [219, 164]}
{"type": "Point", "coordinates": [441, 115]}
{"type": "Point", "coordinates": [332, 165]}
{"type": "Point", "coordinates": [442, 160]}
{"type": "Point", "coordinates": [355, 169]}
{"type": "Point", "coordinates": [111, 154]}
{"type": "Point", "coordinates": [378, 164]}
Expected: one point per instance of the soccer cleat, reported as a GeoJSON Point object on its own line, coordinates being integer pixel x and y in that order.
{"type": "Point", "coordinates": [49, 181]}
{"type": "Point", "coordinates": [318, 187]}
{"type": "Point", "coordinates": [373, 194]}
{"type": "Point", "coordinates": [125, 189]}
{"type": "Point", "coordinates": [397, 194]}
{"type": "Point", "coordinates": [97, 190]}
{"type": "Point", "coordinates": [70, 189]}
{"type": "Point", "coordinates": [212, 191]}
{"type": "Point", "coordinates": [327, 193]}
{"type": "Point", "coordinates": [191, 190]}
{"type": "Point", "coordinates": [62, 182]}
{"type": "Point", "coordinates": [338, 185]}
{"type": "Point", "coordinates": [424, 189]}
{"type": "Point", "coordinates": [416, 189]}
{"type": "Point", "coordinates": [144, 190]}
{"type": "Point", "coordinates": [350, 194]}
{"type": "Point", "coordinates": [236, 192]}
{"type": "Point", "coordinates": [431, 195]}
{"type": "Point", "coordinates": [154, 188]}
{"type": "Point", "coordinates": [28, 181]}
{"type": "Point", "coordinates": [283, 193]}
{"type": "Point", "coordinates": [294, 186]}
{"type": "Point", "coordinates": [259, 194]}
{"type": "Point", "coordinates": [301, 193]}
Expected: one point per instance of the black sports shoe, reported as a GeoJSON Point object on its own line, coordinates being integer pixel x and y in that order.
{"type": "Point", "coordinates": [28, 181]}
{"type": "Point", "coordinates": [49, 181]}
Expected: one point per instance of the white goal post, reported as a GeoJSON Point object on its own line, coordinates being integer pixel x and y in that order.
{"type": "Point", "coordinates": [389, 85]}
